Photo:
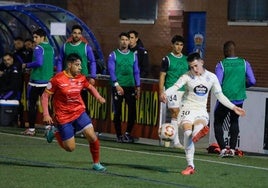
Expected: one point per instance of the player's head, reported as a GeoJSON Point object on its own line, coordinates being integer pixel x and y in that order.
{"type": "Point", "coordinates": [8, 59]}
{"type": "Point", "coordinates": [40, 32]}
{"type": "Point", "coordinates": [123, 40]}
{"type": "Point", "coordinates": [76, 33]}
{"type": "Point", "coordinates": [229, 49]}
{"type": "Point", "coordinates": [73, 64]}
{"type": "Point", "coordinates": [177, 44]}
{"type": "Point", "coordinates": [133, 38]}
{"type": "Point", "coordinates": [39, 36]}
{"type": "Point", "coordinates": [18, 43]}
{"type": "Point", "coordinates": [71, 58]}
{"type": "Point", "coordinates": [195, 63]}
{"type": "Point", "coordinates": [177, 38]}
{"type": "Point", "coordinates": [77, 27]}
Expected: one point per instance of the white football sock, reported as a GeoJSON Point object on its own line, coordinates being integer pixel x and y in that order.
{"type": "Point", "coordinates": [176, 140]}
{"type": "Point", "coordinates": [189, 147]}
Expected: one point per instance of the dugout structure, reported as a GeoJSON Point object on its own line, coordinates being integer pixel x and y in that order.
{"type": "Point", "coordinates": [22, 19]}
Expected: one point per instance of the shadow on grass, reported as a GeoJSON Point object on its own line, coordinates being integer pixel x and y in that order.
{"type": "Point", "coordinates": [27, 163]}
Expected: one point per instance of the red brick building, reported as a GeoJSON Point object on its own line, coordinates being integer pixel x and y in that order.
{"type": "Point", "coordinates": [102, 17]}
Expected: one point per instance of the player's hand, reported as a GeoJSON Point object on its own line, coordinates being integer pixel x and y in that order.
{"type": "Point", "coordinates": [239, 111]}
{"type": "Point", "coordinates": [91, 81]}
{"type": "Point", "coordinates": [163, 97]}
{"type": "Point", "coordinates": [119, 90]}
{"type": "Point", "coordinates": [47, 119]}
{"type": "Point", "coordinates": [101, 100]}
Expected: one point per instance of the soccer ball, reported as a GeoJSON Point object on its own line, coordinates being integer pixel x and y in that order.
{"type": "Point", "coordinates": [167, 132]}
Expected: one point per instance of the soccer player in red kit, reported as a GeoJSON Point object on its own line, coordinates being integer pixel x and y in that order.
{"type": "Point", "coordinates": [69, 109]}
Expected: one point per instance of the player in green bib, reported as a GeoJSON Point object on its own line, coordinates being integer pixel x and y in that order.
{"type": "Point", "coordinates": [235, 75]}
{"type": "Point", "coordinates": [173, 66]}
{"type": "Point", "coordinates": [125, 76]}
{"type": "Point", "coordinates": [42, 69]}
{"type": "Point", "coordinates": [78, 44]}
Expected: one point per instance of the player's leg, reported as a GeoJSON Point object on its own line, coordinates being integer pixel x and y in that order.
{"type": "Point", "coordinates": [200, 128]}
{"type": "Point", "coordinates": [174, 102]}
{"type": "Point", "coordinates": [32, 95]}
{"type": "Point", "coordinates": [117, 108]}
{"type": "Point", "coordinates": [131, 103]}
{"type": "Point", "coordinates": [220, 114]}
{"type": "Point", "coordinates": [189, 148]}
{"type": "Point", "coordinates": [234, 130]}
{"type": "Point", "coordinates": [65, 137]}
{"type": "Point", "coordinates": [174, 121]}
{"type": "Point", "coordinates": [83, 124]}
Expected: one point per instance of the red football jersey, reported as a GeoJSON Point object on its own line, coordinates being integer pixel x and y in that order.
{"type": "Point", "coordinates": [67, 101]}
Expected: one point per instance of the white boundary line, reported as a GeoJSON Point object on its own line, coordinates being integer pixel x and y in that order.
{"type": "Point", "coordinates": [148, 153]}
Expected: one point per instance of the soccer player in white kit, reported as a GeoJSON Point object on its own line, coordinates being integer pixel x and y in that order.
{"type": "Point", "coordinates": [193, 116]}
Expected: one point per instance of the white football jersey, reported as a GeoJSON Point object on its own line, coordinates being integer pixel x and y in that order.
{"type": "Point", "coordinates": [197, 89]}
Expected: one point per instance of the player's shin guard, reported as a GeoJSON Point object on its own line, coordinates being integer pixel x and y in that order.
{"type": "Point", "coordinates": [189, 148]}
{"type": "Point", "coordinates": [95, 151]}
{"type": "Point", "coordinates": [58, 138]}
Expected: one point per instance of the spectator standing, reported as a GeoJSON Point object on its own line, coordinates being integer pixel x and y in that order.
{"type": "Point", "coordinates": [235, 75]}
{"type": "Point", "coordinates": [69, 108]}
{"type": "Point", "coordinates": [77, 44]}
{"type": "Point", "coordinates": [136, 46]}
{"type": "Point", "coordinates": [41, 72]}
{"type": "Point", "coordinates": [173, 66]}
{"type": "Point", "coordinates": [125, 76]}
{"type": "Point", "coordinates": [193, 115]}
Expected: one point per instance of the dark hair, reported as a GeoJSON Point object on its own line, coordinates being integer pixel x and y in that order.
{"type": "Point", "coordinates": [193, 56]}
{"type": "Point", "coordinates": [18, 38]}
{"type": "Point", "coordinates": [73, 57]}
{"type": "Point", "coordinates": [77, 27]}
{"type": "Point", "coordinates": [228, 48]}
{"type": "Point", "coordinates": [177, 38]}
{"type": "Point", "coordinates": [134, 32]}
{"type": "Point", "coordinates": [40, 32]}
{"type": "Point", "coordinates": [228, 44]}
{"type": "Point", "coordinates": [8, 54]}
{"type": "Point", "coordinates": [123, 34]}
{"type": "Point", "coordinates": [28, 40]}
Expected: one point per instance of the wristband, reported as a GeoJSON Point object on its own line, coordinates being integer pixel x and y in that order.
{"type": "Point", "coordinates": [116, 84]}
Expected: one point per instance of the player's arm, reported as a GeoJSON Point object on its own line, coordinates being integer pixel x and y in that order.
{"type": "Point", "coordinates": [60, 61]}
{"type": "Point", "coordinates": [250, 78]}
{"type": "Point", "coordinates": [44, 102]}
{"type": "Point", "coordinates": [216, 89]}
{"type": "Point", "coordinates": [136, 75]}
{"type": "Point", "coordinates": [92, 61]}
{"type": "Point", "coordinates": [219, 71]}
{"type": "Point", "coordinates": [38, 54]}
{"type": "Point", "coordinates": [96, 94]}
{"type": "Point", "coordinates": [162, 76]}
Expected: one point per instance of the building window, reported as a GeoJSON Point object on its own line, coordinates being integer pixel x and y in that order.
{"type": "Point", "coordinates": [252, 11]}
{"type": "Point", "coordinates": [138, 11]}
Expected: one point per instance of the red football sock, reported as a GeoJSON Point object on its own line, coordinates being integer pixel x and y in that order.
{"type": "Point", "coordinates": [95, 151]}
{"type": "Point", "coordinates": [58, 137]}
